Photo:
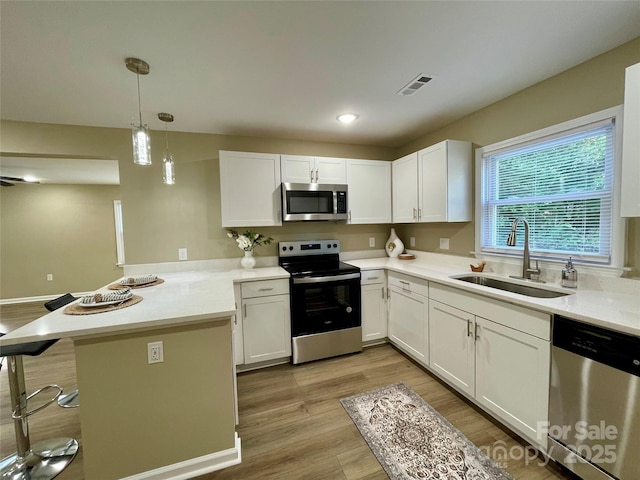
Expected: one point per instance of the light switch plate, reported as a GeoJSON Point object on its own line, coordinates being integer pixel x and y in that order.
{"type": "Point", "coordinates": [444, 244]}
{"type": "Point", "coordinates": [412, 241]}
{"type": "Point", "coordinates": [372, 241]}
{"type": "Point", "coordinates": [182, 254]}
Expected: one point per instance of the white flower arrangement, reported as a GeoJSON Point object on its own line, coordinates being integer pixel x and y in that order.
{"type": "Point", "coordinates": [248, 240]}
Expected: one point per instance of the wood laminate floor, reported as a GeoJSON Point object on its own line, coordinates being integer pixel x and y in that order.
{"type": "Point", "coordinates": [292, 425]}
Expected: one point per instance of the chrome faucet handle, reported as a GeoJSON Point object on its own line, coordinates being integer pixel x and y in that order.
{"type": "Point", "coordinates": [535, 271]}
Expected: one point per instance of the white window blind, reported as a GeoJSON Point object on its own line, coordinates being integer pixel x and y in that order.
{"type": "Point", "coordinates": [562, 184]}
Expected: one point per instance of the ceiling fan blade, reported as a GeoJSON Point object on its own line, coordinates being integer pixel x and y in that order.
{"type": "Point", "coordinates": [11, 179]}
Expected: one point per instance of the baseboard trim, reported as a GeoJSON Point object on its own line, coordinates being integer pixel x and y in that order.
{"type": "Point", "coordinates": [194, 467]}
{"type": "Point", "coordinates": [41, 298]}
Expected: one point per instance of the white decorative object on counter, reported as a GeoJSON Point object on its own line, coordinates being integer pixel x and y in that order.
{"type": "Point", "coordinates": [248, 261]}
{"type": "Point", "coordinates": [394, 245]}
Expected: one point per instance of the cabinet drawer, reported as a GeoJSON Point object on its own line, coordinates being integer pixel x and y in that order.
{"type": "Point", "coordinates": [512, 316]}
{"type": "Point", "coordinates": [368, 277]}
{"type": "Point", "coordinates": [263, 288]}
{"type": "Point", "coordinates": [408, 283]}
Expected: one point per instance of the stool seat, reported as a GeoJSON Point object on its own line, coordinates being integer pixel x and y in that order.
{"type": "Point", "coordinates": [33, 349]}
{"type": "Point", "coordinates": [61, 301]}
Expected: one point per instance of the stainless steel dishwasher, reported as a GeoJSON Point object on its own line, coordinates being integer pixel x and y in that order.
{"type": "Point", "coordinates": [594, 401]}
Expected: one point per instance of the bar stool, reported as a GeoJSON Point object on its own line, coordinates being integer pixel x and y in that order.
{"type": "Point", "coordinates": [72, 399]}
{"type": "Point", "coordinates": [43, 460]}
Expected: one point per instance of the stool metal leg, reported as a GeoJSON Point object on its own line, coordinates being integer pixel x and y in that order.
{"type": "Point", "coordinates": [42, 461]}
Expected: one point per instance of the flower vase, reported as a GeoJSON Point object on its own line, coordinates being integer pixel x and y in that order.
{"type": "Point", "coordinates": [248, 261]}
{"type": "Point", "coordinates": [394, 245]}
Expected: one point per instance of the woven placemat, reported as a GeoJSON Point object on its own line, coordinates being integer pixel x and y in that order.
{"type": "Point", "coordinates": [76, 309]}
{"type": "Point", "coordinates": [118, 286]}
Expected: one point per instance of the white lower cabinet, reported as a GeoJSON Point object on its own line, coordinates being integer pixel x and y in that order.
{"type": "Point", "coordinates": [266, 320]}
{"type": "Point", "coordinates": [496, 353]}
{"type": "Point", "coordinates": [512, 377]}
{"type": "Point", "coordinates": [409, 315]}
{"type": "Point", "coordinates": [451, 345]}
{"type": "Point", "coordinates": [374, 305]}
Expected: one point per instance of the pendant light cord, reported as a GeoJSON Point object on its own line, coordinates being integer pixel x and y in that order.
{"type": "Point", "coordinates": [139, 104]}
{"type": "Point", "coordinates": [166, 138]}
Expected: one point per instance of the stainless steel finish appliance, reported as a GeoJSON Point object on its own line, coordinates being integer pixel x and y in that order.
{"type": "Point", "coordinates": [313, 201]}
{"type": "Point", "coordinates": [594, 403]}
{"type": "Point", "coordinates": [325, 300]}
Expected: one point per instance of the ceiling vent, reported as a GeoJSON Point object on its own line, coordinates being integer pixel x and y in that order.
{"type": "Point", "coordinates": [414, 85]}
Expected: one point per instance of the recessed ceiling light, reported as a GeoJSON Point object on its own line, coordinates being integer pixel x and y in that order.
{"type": "Point", "coordinates": [30, 178]}
{"type": "Point", "coordinates": [347, 117]}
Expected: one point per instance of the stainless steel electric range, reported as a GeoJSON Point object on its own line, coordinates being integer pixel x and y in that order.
{"type": "Point", "coordinates": [325, 300]}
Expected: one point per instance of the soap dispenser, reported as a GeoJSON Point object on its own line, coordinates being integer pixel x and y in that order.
{"type": "Point", "coordinates": [569, 275]}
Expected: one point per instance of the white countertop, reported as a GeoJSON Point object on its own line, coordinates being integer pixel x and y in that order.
{"type": "Point", "coordinates": [195, 296]}
{"type": "Point", "coordinates": [615, 306]}
{"type": "Point", "coordinates": [186, 297]}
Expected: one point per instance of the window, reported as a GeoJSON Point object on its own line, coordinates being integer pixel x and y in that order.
{"type": "Point", "coordinates": [117, 213]}
{"type": "Point", "coordinates": [561, 180]}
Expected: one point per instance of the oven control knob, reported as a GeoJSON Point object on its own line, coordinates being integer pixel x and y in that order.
{"type": "Point", "coordinates": [335, 245]}
{"type": "Point", "coordinates": [328, 245]}
{"type": "Point", "coordinates": [290, 248]}
{"type": "Point", "coordinates": [349, 309]}
{"type": "Point", "coordinates": [284, 249]}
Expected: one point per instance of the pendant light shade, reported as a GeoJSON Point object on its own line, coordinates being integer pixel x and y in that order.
{"type": "Point", "coordinates": [140, 132]}
{"type": "Point", "coordinates": [168, 167]}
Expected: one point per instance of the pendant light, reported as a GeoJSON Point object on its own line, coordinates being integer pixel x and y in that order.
{"type": "Point", "coordinates": [168, 167]}
{"type": "Point", "coordinates": [140, 133]}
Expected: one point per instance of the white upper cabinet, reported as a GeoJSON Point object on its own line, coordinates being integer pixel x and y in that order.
{"type": "Point", "coordinates": [304, 169]}
{"type": "Point", "coordinates": [369, 191]}
{"type": "Point", "coordinates": [630, 193]}
{"type": "Point", "coordinates": [405, 189]}
{"type": "Point", "coordinates": [434, 184]}
{"type": "Point", "coordinates": [250, 189]}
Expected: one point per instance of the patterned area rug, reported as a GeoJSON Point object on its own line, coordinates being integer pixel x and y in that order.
{"type": "Point", "coordinates": [413, 441]}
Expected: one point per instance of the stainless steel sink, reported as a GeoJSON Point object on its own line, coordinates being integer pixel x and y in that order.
{"type": "Point", "coordinates": [527, 290]}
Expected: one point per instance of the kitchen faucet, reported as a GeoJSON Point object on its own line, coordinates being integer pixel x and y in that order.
{"type": "Point", "coordinates": [527, 271]}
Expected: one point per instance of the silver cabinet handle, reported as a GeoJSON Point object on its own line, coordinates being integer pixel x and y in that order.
{"type": "Point", "coordinates": [244, 311]}
{"type": "Point", "coordinates": [265, 289]}
{"type": "Point", "coordinates": [373, 278]}
{"type": "Point", "coordinates": [468, 328]}
{"type": "Point", "coordinates": [317, 176]}
{"type": "Point", "coordinates": [311, 173]}
{"type": "Point", "coordinates": [349, 216]}
{"type": "Point", "coordinates": [382, 292]}
{"type": "Point", "coordinates": [415, 214]}
{"type": "Point", "coordinates": [476, 332]}
{"type": "Point", "coordinates": [419, 214]}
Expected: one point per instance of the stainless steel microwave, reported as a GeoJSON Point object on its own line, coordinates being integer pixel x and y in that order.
{"type": "Point", "coordinates": [313, 201]}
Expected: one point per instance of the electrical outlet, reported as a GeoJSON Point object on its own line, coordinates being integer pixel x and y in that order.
{"type": "Point", "coordinates": [155, 352]}
{"type": "Point", "coordinates": [49, 277]}
{"type": "Point", "coordinates": [444, 244]}
{"type": "Point", "coordinates": [412, 241]}
{"type": "Point", "coordinates": [372, 241]}
{"type": "Point", "coordinates": [182, 254]}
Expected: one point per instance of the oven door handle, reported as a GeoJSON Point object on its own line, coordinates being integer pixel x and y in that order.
{"type": "Point", "coordinates": [329, 278]}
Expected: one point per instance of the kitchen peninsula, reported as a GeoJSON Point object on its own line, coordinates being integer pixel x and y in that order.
{"type": "Point", "coordinates": [166, 420]}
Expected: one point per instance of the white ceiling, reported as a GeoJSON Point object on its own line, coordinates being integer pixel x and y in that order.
{"type": "Point", "coordinates": [287, 69]}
